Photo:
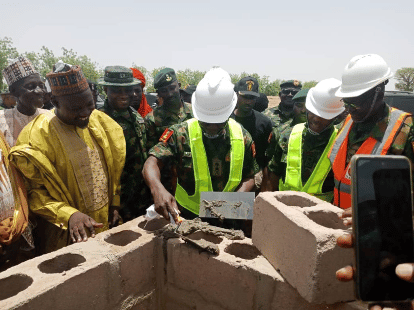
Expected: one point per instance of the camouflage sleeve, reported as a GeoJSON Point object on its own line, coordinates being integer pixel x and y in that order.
{"type": "Point", "coordinates": [408, 148]}
{"type": "Point", "coordinates": [250, 166]}
{"type": "Point", "coordinates": [166, 148]}
{"type": "Point", "coordinates": [170, 144]}
{"type": "Point", "coordinates": [272, 142]}
{"type": "Point", "coordinates": [152, 138]}
{"type": "Point", "coordinates": [275, 164]}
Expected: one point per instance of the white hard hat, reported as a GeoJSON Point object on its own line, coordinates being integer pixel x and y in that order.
{"type": "Point", "coordinates": [362, 73]}
{"type": "Point", "coordinates": [214, 99]}
{"type": "Point", "coordinates": [322, 101]}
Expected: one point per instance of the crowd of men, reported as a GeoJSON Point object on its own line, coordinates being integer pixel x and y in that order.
{"type": "Point", "coordinates": [74, 171]}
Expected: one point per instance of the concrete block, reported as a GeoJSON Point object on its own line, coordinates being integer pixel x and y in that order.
{"type": "Point", "coordinates": [133, 252]}
{"type": "Point", "coordinates": [297, 233]}
{"type": "Point", "coordinates": [71, 278]}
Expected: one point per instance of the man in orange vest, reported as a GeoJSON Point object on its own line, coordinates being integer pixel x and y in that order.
{"type": "Point", "coordinates": [372, 127]}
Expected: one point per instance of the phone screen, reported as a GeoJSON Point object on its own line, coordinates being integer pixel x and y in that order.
{"type": "Point", "coordinates": [383, 226]}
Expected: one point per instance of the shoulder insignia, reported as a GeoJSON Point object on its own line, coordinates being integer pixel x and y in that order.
{"type": "Point", "coordinates": [253, 150]}
{"type": "Point", "coordinates": [166, 135]}
{"type": "Point", "coordinates": [270, 137]}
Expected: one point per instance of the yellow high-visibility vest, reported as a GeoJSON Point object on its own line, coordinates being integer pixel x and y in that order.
{"type": "Point", "coordinates": [293, 178]}
{"type": "Point", "coordinates": [200, 164]}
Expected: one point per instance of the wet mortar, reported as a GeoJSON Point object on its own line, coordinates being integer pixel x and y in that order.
{"type": "Point", "coordinates": [190, 227]}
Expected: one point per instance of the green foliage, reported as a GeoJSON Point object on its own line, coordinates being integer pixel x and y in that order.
{"type": "Point", "coordinates": [188, 76]}
{"type": "Point", "coordinates": [150, 80]}
{"type": "Point", "coordinates": [44, 60]}
{"type": "Point", "coordinates": [309, 84]}
{"type": "Point", "coordinates": [405, 78]}
{"type": "Point", "coordinates": [7, 51]}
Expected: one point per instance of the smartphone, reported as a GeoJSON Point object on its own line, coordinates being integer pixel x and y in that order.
{"type": "Point", "coordinates": [382, 211]}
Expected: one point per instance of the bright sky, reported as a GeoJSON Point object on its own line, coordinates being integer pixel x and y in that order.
{"type": "Point", "coordinates": [305, 40]}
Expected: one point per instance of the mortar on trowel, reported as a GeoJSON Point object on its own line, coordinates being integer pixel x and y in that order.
{"type": "Point", "coordinates": [233, 206]}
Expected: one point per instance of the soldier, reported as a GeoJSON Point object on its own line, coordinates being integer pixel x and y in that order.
{"type": "Point", "coordinates": [187, 92]}
{"type": "Point", "coordinates": [140, 102]}
{"type": "Point", "coordinates": [284, 111]}
{"type": "Point", "coordinates": [173, 110]}
{"type": "Point", "coordinates": [279, 137]}
{"type": "Point", "coordinates": [372, 127]}
{"type": "Point", "coordinates": [210, 152]}
{"type": "Point", "coordinates": [369, 122]}
{"type": "Point", "coordinates": [309, 143]}
{"type": "Point", "coordinates": [258, 125]}
{"type": "Point", "coordinates": [119, 84]}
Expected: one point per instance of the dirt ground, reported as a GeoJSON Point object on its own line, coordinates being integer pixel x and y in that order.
{"type": "Point", "coordinates": [273, 101]}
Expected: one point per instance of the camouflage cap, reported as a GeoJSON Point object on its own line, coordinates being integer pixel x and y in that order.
{"type": "Point", "coordinates": [291, 84]}
{"type": "Point", "coordinates": [301, 95]}
{"type": "Point", "coordinates": [164, 78]}
{"type": "Point", "coordinates": [118, 76]}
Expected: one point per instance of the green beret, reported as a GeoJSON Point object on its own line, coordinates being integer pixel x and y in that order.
{"type": "Point", "coordinates": [164, 78]}
{"type": "Point", "coordinates": [291, 84]}
{"type": "Point", "coordinates": [301, 95]}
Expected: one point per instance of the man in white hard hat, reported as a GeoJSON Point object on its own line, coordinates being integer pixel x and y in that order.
{"type": "Point", "coordinates": [372, 127]}
{"type": "Point", "coordinates": [210, 152]}
{"type": "Point", "coordinates": [309, 142]}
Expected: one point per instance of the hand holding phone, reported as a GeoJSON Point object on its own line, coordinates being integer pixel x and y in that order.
{"type": "Point", "coordinates": [383, 226]}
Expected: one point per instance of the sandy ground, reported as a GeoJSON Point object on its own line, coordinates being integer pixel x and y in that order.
{"type": "Point", "coordinates": [273, 101]}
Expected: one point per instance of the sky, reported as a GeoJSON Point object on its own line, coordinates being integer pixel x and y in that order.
{"type": "Point", "coordinates": [304, 40]}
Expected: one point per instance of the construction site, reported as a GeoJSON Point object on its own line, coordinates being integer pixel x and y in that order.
{"type": "Point", "coordinates": [289, 263]}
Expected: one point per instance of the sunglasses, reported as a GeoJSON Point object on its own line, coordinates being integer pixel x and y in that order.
{"type": "Point", "coordinates": [287, 91]}
{"type": "Point", "coordinates": [352, 105]}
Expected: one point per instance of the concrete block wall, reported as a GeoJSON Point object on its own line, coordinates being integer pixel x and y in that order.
{"type": "Point", "coordinates": [297, 234]}
{"type": "Point", "coordinates": [114, 270]}
{"type": "Point", "coordinates": [128, 267]}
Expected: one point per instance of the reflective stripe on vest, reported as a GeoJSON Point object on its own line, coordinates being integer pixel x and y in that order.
{"type": "Point", "coordinates": [200, 164]}
{"type": "Point", "coordinates": [342, 191]}
{"type": "Point", "coordinates": [293, 178]}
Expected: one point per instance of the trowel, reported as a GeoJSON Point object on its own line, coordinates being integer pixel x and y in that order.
{"type": "Point", "coordinates": [226, 205]}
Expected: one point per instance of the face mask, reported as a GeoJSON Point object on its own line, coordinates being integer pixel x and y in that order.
{"type": "Point", "coordinates": [213, 136]}
{"type": "Point", "coordinates": [314, 133]}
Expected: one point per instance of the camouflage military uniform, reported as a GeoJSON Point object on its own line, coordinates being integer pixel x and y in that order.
{"type": "Point", "coordinates": [161, 118]}
{"type": "Point", "coordinates": [279, 137]}
{"type": "Point", "coordinates": [403, 144]}
{"type": "Point", "coordinates": [282, 126]}
{"type": "Point", "coordinates": [276, 116]}
{"type": "Point", "coordinates": [177, 148]}
{"type": "Point", "coordinates": [135, 195]}
{"type": "Point", "coordinates": [312, 149]}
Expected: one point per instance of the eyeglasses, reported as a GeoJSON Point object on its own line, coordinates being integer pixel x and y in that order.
{"type": "Point", "coordinates": [349, 105]}
{"type": "Point", "coordinates": [287, 91]}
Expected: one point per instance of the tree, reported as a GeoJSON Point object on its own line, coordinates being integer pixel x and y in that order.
{"type": "Point", "coordinates": [309, 84]}
{"type": "Point", "coordinates": [405, 78]}
{"type": "Point", "coordinates": [150, 81]}
{"type": "Point", "coordinates": [7, 51]}
{"type": "Point", "coordinates": [189, 76]}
